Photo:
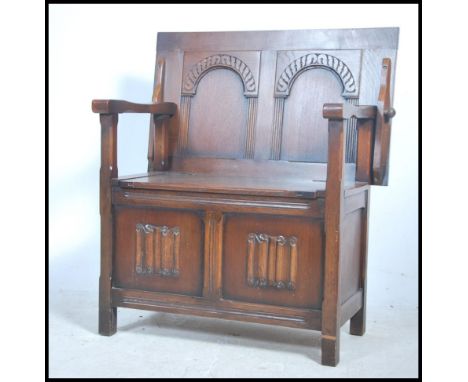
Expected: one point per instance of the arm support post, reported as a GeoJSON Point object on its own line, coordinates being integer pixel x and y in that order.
{"type": "Point", "coordinates": [365, 116]}
{"type": "Point", "coordinates": [337, 114]}
{"type": "Point", "coordinates": [331, 320]}
{"type": "Point", "coordinates": [109, 111]}
{"type": "Point", "coordinates": [107, 313]}
{"type": "Point", "coordinates": [160, 113]}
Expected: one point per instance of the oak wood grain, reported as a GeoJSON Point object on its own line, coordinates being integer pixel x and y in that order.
{"type": "Point", "coordinates": [110, 106]}
{"type": "Point", "coordinates": [254, 207]}
{"type": "Point", "coordinates": [334, 212]}
{"type": "Point", "coordinates": [107, 313]}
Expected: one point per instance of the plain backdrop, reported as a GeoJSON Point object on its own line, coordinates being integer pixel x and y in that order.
{"type": "Point", "coordinates": [100, 51]}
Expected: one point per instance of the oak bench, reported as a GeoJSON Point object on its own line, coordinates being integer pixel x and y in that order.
{"type": "Point", "coordinates": [254, 206]}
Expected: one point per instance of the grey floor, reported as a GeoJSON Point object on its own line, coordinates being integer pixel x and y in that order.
{"type": "Point", "coordinates": [149, 344]}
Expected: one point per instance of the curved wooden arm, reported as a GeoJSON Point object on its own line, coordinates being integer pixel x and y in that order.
{"type": "Point", "coordinates": [383, 127]}
{"type": "Point", "coordinates": [346, 111]}
{"type": "Point", "coordinates": [111, 106]}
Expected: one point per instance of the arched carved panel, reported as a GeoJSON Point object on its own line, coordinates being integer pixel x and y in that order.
{"type": "Point", "coordinates": [197, 65]}
{"type": "Point", "coordinates": [305, 131]}
{"type": "Point", "coordinates": [208, 133]}
{"type": "Point", "coordinates": [345, 65]}
{"type": "Point", "coordinates": [225, 61]}
{"type": "Point", "coordinates": [312, 61]}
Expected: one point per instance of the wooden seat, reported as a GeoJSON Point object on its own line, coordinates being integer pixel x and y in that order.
{"type": "Point", "coordinates": [242, 185]}
{"type": "Point", "coordinates": [254, 206]}
{"type": "Point", "coordinates": [229, 184]}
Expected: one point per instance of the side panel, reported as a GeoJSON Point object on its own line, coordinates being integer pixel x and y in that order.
{"type": "Point", "coordinates": [353, 245]}
{"type": "Point", "coordinates": [350, 256]}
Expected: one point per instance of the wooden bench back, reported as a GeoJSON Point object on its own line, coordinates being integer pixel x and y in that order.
{"type": "Point", "coordinates": [253, 95]}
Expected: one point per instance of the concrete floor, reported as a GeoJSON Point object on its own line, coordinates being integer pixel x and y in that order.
{"type": "Point", "coordinates": [149, 344]}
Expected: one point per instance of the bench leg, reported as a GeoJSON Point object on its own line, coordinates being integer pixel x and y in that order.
{"type": "Point", "coordinates": [107, 313]}
{"type": "Point", "coordinates": [358, 321]}
{"type": "Point", "coordinates": [330, 350]}
{"type": "Point", "coordinates": [333, 230]}
{"type": "Point", "coordinates": [357, 325]}
{"type": "Point", "coordinates": [107, 321]}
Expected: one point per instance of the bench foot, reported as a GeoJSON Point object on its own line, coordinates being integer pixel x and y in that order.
{"type": "Point", "coordinates": [330, 350]}
{"type": "Point", "coordinates": [107, 321]}
{"type": "Point", "coordinates": [357, 326]}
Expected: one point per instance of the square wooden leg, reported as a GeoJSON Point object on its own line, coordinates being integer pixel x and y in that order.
{"type": "Point", "coordinates": [107, 313]}
{"type": "Point", "coordinates": [330, 350]}
{"type": "Point", "coordinates": [357, 325]}
{"type": "Point", "coordinates": [107, 321]}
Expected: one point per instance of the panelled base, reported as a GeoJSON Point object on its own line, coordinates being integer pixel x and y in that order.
{"type": "Point", "coordinates": [194, 254]}
{"type": "Point", "coordinates": [226, 309]}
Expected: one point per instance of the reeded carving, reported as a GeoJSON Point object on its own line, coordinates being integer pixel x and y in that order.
{"type": "Point", "coordinates": [157, 250]}
{"type": "Point", "coordinates": [250, 136]}
{"type": "Point", "coordinates": [277, 129]}
{"type": "Point", "coordinates": [192, 78]}
{"type": "Point", "coordinates": [271, 261]}
{"type": "Point", "coordinates": [185, 103]}
{"type": "Point", "coordinates": [351, 136]}
{"type": "Point", "coordinates": [310, 61]}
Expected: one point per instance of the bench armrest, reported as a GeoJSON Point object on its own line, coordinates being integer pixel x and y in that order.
{"type": "Point", "coordinates": [373, 137]}
{"type": "Point", "coordinates": [340, 111]}
{"type": "Point", "coordinates": [110, 106]}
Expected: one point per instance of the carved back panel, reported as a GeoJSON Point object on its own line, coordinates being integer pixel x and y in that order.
{"type": "Point", "coordinates": [219, 95]}
{"type": "Point", "coordinates": [259, 95]}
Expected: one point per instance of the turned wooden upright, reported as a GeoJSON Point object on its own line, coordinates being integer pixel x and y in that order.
{"type": "Point", "coordinates": [254, 207]}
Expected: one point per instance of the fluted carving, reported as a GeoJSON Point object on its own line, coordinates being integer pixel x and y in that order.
{"type": "Point", "coordinates": [351, 136]}
{"type": "Point", "coordinates": [313, 60]}
{"type": "Point", "coordinates": [271, 261]}
{"type": "Point", "coordinates": [157, 250]}
{"type": "Point", "coordinates": [250, 136]}
{"type": "Point", "coordinates": [192, 78]}
{"type": "Point", "coordinates": [276, 138]}
{"type": "Point", "coordinates": [185, 103]}
{"type": "Point", "coordinates": [189, 89]}
{"type": "Point", "coordinates": [283, 87]}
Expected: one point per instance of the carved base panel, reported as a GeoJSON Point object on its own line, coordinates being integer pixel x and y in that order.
{"type": "Point", "coordinates": [159, 250]}
{"type": "Point", "coordinates": [266, 259]}
{"type": "Point", "coordinates": [272, 260]}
